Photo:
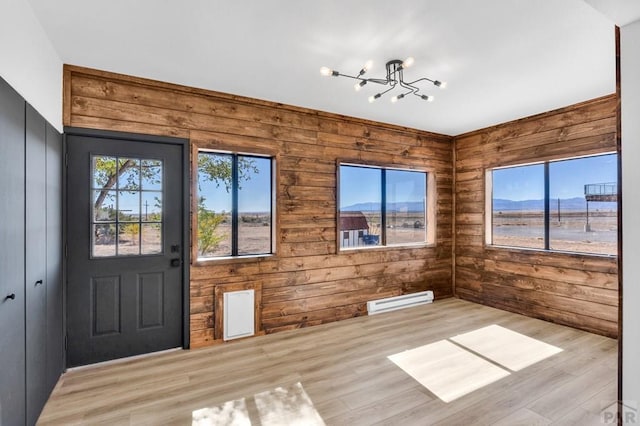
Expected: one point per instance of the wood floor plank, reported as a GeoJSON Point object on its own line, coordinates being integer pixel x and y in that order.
{"type": "Point", "coordinates": [523, 417]}
{"type": "Point", "coordinates": [344, 369]}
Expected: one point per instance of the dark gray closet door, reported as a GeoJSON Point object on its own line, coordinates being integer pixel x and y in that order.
{"type": "Point", "coordinates": [12, 351]}
{"type": "Point", "coordinates": [125, 256]}
{"type": "Point", "coordinates": [36, 262]}
{"type": "Point", "coordinates": [55, 328]}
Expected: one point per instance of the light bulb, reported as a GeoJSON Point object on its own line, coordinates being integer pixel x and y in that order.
{"type": "Point", "coordinates": [408, 62]}
{"type": "Point", "coordinates": [359, 85]}
{"type": "Point", "coordinates": [427, 98]}
{"type": "Point", "coordinates": [326, 71]}
{"type": "Point", "coordinates": [365, 68]}
{"type": "Point", "coordinates": [372, 99]}
{"type": "Point", "coordinates": [394, 99]}
{"type": "Point", "coordinates": [440, 84]}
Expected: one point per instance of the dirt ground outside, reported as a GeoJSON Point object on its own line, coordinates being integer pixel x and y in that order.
{"type": "Point", "coordinates": [568, 231]}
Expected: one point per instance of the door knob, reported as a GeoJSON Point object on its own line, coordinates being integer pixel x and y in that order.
{"type": "Point", "coordinates": [11, 296]}
{"type": "Point", "coordinates": [175, 263]}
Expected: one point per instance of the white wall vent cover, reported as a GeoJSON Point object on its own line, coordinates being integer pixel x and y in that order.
{"type": "Point", "coordinates": [398, 302]}
{"type": "Point", "coordinates": [238, 314]}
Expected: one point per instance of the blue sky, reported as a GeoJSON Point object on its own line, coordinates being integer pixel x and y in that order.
{"type": "Point", "coordinates": [518, 183]}
{"type": "Point", "coordinates": [254, 194]}
{"type": "Point", "coordinates": [364, 186]}
{"type": "Point", "coordinates": [567, 178]}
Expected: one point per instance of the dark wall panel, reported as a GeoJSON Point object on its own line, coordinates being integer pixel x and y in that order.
{"type": "Point", "coordinates": [12, 331]}
{"type": "Point", "coordinates": [35, 262]}
{"type": "Point", "coordinates": [55, 327]}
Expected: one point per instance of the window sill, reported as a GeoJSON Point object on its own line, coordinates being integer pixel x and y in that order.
{"type": "Point", "coordinates": [232, 259]}
{"type": "Point", "coordinates": [493, 247]}
{"type": "Point", "coordinates": [387, 247]}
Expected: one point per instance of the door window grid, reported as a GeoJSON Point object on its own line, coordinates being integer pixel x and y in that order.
{"type": "Point", "coordinates": [126, 217]}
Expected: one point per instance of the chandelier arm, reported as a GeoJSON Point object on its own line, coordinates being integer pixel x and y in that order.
{"type": "Point", "coordinates": [377, 80]}
{"type": "Point", "coordinates": [409, 86]}
{"type": "Point", "coordinates": [350, 76]}
{"type": "Point", "coordinates": [393, 86]}
{"type": "Point", "coordinates": [422, 79]}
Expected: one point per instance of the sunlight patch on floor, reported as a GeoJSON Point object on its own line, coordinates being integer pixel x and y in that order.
{"type": "Point", "coordinates": [232, 413]}
{"type": "Point", "coordinates": [508, 348]}
{"type": "Point", "coordinates": [451, 370]}
{"type": "Point", "coordinates": [289, 405]}
{"type": "Point", "coordinates": [447, 370]}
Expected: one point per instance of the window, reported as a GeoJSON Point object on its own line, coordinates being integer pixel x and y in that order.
{"type": "Point", "coordinates": [381, 206]}
{"type": "Point", "coordinates": [565, 205]}
{"type": "Point", "coordinates": [235, 205]}
{"type": "Point", "coordinates": [126, 217]}
{"type": "Point", "coordinates": [518, 206]}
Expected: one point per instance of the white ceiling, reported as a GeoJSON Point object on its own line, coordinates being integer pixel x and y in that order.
{"type": "Point", "coordinates": [621, 12]}
{"type": "Point", "coordinates": [502, 59]}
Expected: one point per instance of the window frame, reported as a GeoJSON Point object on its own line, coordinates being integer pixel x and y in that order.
{"type": "Point", "coordinates": [488, 216]}
{"type": "Point", "coordinates": [197, 150]}
{"type": "Point", "coordinates": [430, 211]}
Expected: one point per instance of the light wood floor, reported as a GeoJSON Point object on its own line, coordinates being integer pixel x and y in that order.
{"type": "Point", "coordinates": [343, 368]}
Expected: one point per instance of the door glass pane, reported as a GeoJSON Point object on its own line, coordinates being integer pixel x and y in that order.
{"type": "Point", "coordinates": [151, 238]}
{"type": "Point", "coordinates": [360, 206]}
{"type": "Point", "coordinates": [128, 206]}
{"type": "Point", "coordinates": [406, 193]}
{"type": "Point", "coordinates": [151, 206]}
{"type": "Point", "coordinates": [583, 205]}
{"type": "Point", "coordinates": [151, 175]}
{"type": "Point", "coordinates": [254, 205]}
{"type": "Point", "coordinates": [104, 206]}
{"type": "Point", "coordinates": [518, 206]}
{"type": "Point", "coordinates": [126, 193]}
{"type": "Point", "coordinates": [214, 204]}
{"type": "Point", "coordinates": [104, 240]}
{"type": "Point", "coordinates": [128, 239]}
{"type": "Point", "coordinates": [129, 173]}
{"type": "Point", "coordinates": [104, 172]}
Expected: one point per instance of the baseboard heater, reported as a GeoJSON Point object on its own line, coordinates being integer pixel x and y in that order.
{"type": "Point", "coordinates": [399, 302]}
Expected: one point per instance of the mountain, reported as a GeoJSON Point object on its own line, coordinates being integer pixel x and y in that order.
{"type": "Point", "coordinates": [410, 206]}
{"type": "Point", "coordinates": [499, 204]}
{"type": "Point", "coordinates": [576, 203]}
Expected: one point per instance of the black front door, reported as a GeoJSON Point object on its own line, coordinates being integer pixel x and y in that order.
{"type": "Point", "coordinates": [125, 254]}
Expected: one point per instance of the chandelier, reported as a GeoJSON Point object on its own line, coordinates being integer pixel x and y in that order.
{"type": "Point", "coordinates": [394, 78]}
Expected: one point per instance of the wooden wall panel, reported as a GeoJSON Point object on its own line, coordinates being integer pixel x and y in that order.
{"type": "Point", "coordinates": [307, 282]}
{"type": "Point", "coordinates": [576, 290]}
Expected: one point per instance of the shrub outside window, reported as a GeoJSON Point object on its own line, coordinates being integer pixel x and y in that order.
{"type": "Point", "coordinates": [565, 205]}
{"type": "Point", "coordinates": [382, 207]}
{"type": "Point", "coordinates": [234, 205]}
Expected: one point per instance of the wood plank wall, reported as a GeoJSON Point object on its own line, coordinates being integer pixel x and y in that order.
{"type": "Point", "coordinates": [576, 290]}
{"type": "Point", "coordinates": [307, 282]}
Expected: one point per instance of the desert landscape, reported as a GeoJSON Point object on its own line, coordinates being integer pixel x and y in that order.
{"type": "Point", "coordinates": [567, 231]}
